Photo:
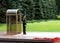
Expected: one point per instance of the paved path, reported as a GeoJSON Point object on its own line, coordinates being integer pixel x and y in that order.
{"type": "Point", "coordinates": [40, 34]}
{"type": "Point", "coordinates": [31, 35]}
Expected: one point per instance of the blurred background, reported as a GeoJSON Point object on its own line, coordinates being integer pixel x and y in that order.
{"type": "Point", "coordinates": [42, 15]}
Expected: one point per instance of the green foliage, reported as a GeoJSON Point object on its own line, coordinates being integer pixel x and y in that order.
{"type": "Point", "coordinates": [48, 9]}
{"type": "Point", "coordinates": [34, 9]}
{"type": "Point", "coordinates": [39, 9]}
{"type": "Point", "coordinates": [58, 5]}
{"type": "Point", "coordinates": [2, 11]}
{"type": "Point", "coordinates": [28, 8]}
{"type": "Point", "coordinates": [4, 5]}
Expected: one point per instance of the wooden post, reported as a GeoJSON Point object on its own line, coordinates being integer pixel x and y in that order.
{"type": "Point", "coordinates": [10, 13]}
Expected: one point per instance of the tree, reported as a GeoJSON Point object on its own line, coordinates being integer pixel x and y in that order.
{"type": "Point", "coordinates": [2, 10]}
{"type": "Point", "coordinates": [28, 8]}
{"type": "Point", "coordinates": [4, 5]}
{"type": "Point", "coordinates": [58, 5]}
{"type": "Point", "coordinates": [48, 9]}
{"type": "Point", "coordinates": [34, 9]}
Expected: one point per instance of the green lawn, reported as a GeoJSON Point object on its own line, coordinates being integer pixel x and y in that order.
{"type": "Point", "coordinates": [40, 26]}
{"type": "Point", "coordinates": [2, 27]}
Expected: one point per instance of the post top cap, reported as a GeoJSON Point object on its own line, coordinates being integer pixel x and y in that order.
{"type": "Point", "coordinates": [12, 11]}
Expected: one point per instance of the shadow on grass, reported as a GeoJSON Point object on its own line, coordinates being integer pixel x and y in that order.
{"type": "Point", "coordinates": [41, 20]}
{"type": "Point", "coordinates": [38, 21]}
{"type": "Point", "coordinates": [1, 24]}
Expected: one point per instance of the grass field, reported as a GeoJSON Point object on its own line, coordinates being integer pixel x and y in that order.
{"type": "Point", "coordinates": [40, 26]}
